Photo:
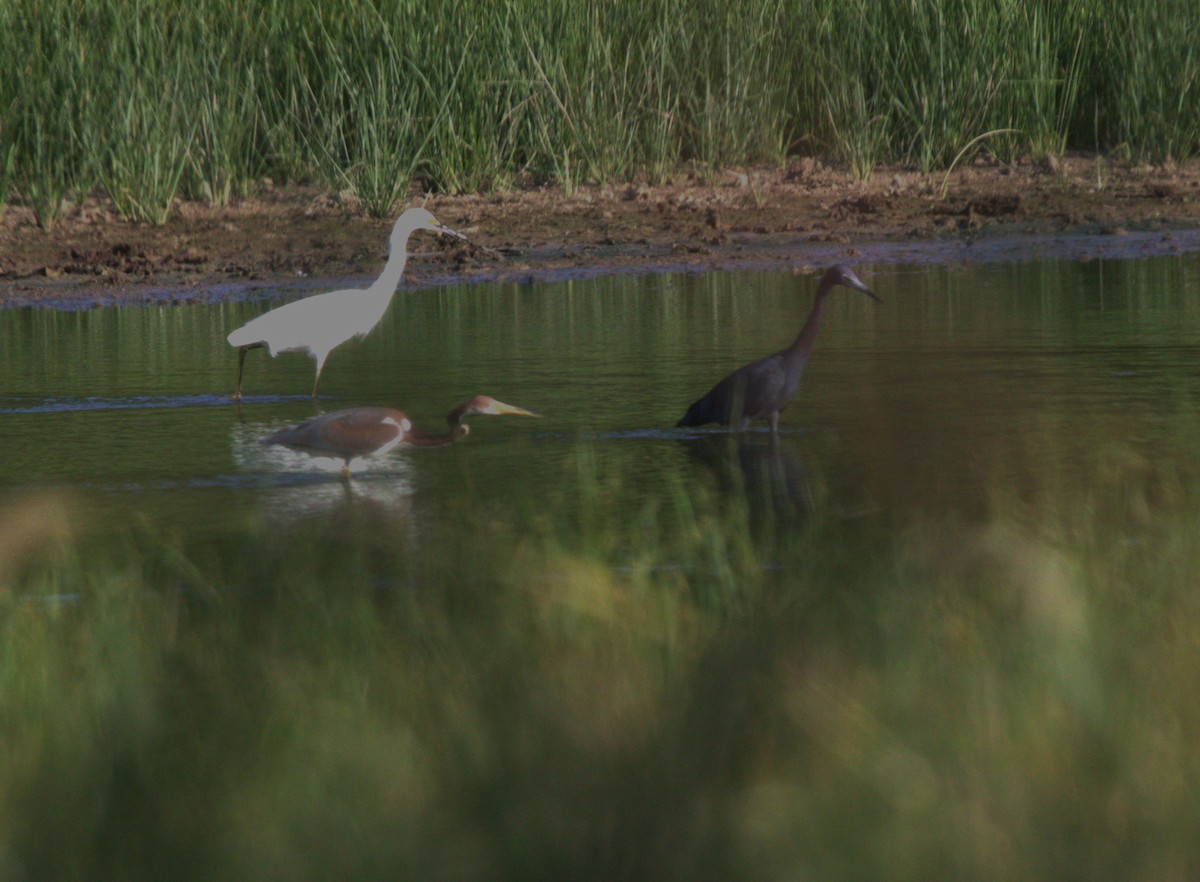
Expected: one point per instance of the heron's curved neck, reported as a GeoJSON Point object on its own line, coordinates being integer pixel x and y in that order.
{"type": "Point", "coordinates": [458, 431]}
{"type": "Point", "coordinates": [420, 438]}
{"type": "Point", "coordinates": [456, 416]}
{"type": "Point", "coordinates": [803, 343]}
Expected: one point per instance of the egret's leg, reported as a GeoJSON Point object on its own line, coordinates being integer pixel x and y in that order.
{"type": "Point", "coordinates": [317, 378]}
{"type": "Point", "coordinates": [242, 350]}
{"type": "Point", "coordinates": [773, 421]}
{"type": "Point", "coordinates": [237, 389]}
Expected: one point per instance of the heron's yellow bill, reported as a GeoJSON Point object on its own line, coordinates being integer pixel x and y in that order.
{"type": "Point", "coordinates": [499, 408]}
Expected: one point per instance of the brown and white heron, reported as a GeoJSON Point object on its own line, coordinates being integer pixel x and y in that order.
{"type": "Point", "coordinates": [372, 431]}
{"type": "Point", "coordinates": [319, 324]}
{"type": "Point", "coordinates": [761, 389]}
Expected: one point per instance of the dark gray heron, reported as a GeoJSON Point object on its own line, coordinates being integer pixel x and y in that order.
{"type": "Point", "coordinates": [761, 389]}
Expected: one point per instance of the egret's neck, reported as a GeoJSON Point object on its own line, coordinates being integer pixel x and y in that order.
{"type": "Point", "coordinates": [389, 279]}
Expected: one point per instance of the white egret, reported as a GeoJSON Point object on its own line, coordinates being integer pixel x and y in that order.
{"type": "Point", "coordinates": [319, 324]}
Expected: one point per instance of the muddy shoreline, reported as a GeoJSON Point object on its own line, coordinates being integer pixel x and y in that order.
{"type": "Point", "coordinates": [806, 215]}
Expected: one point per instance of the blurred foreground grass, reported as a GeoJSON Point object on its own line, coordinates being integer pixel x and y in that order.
{"type": "Point", "coordinates": [709, 691]}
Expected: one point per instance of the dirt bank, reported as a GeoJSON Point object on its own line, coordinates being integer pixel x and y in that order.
{"type": "Point", "coordinates": [807, 212]}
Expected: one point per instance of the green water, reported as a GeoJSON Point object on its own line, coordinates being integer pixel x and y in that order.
{"type": "Point", "coordinates": [946, 625]}
{"type": "Point", "coordinates": [963, 376]}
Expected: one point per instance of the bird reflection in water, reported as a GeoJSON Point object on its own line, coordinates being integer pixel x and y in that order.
{"type": "Point", "coordinates": [761, 468]}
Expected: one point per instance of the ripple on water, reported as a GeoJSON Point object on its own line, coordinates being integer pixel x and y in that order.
{"type": "Point", "coordinates": [15, 405]}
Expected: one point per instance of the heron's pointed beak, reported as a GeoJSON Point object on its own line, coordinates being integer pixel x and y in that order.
{"type": "Point", "coordinates": [857, 285]}
{"type": "Point", "coordinates": [499, 408]}
{"type": "Point", "coordinates": [445, 230]}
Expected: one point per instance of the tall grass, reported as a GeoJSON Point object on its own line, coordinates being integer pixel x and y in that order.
{"type": "Point", "coordinates": [151, 102]}
{"type": "Point", "coordinates": [1149, 101]}
{"type": "Point", "coordinates": [8, 161]}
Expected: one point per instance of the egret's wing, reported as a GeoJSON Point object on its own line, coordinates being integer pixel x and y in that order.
{"type": "Point", "coordinates": [276, 327]}
{"type": "Point", "coordinates": [317, 324]}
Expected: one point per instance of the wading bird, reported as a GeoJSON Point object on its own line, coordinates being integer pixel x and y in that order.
{"type": "Point", "coordinates": [318, 324]}
{"type": "Point", "coordinates": [370, 431]}
{"type": "Point", "coordinates": [760, 389]}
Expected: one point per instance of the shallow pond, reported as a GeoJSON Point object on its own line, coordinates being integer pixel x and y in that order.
{"type": "Point", "coordinates": [964, 377]}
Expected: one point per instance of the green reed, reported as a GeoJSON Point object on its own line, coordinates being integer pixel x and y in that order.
{"type": "Point", "coordinates": [150, 102]}
{"type": "Point", "coordinates": [8, 161]}
{"type": "Point", "coordinates": [1152, 55]}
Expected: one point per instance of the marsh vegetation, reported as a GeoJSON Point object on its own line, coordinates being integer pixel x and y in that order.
{"type": "Point", "coordinates": [148, 101]}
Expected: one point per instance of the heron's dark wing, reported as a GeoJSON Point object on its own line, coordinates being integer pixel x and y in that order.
{"type": "Point", "coordinates": [354, 432]}
{"type": "Point", "coordinates": [703, 410]}
{"type": "Point", "coordinates": [762, 386]}
{"type": "Point", "coordinates": [748, 391]}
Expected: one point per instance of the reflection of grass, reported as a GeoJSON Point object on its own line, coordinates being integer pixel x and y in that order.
{"type": "Point", "coordinates": [609, 692]}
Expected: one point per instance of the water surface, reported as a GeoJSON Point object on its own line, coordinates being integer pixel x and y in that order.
{"type": "Point", "coordinates": [964, 376]}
